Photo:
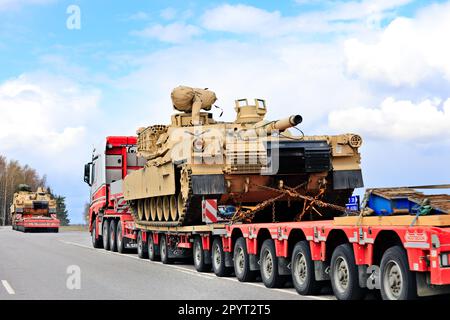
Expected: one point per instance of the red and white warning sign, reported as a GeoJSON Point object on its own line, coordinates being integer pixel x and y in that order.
{"type": "Point", "coordinates": [209, 211]}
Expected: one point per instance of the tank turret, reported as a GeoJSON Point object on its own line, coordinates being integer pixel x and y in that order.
{"type": "Point", "coordinates": [39, 203]}
{"type": "Point", "coordinates": [251, 163]}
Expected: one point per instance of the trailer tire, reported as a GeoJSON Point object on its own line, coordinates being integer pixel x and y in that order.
{"type": "Point", "coordinates": [199, 258]}
{"type": "Point", "coordinates": [113, 236]}
{"type": "Point", "coordinates": [242, 262]}
{"type": "Point", "coordinates": [344, 274]}
{"type": "Point", "coordinates": [302, 268]}
{"type": "Point", "coordinates": [141, 246]}
{"type": "Point", "coordinates": [120, 241]}
{"type": "Point", "coordinates": [218, 259]}
{"type": "Point", "coordinates": [269, 266]}
{"type": "Point", "coordinates": [105, 234]}
{"type": "Point", "coordinates": [152, 248]}
{"type": "Point", "coordinates": [397, 281]}
{"type": "Point", "coordinates": [164, 250]}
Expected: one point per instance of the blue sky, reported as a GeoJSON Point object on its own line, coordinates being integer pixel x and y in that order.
{"type": "Point", "coordinates": [379, 68]}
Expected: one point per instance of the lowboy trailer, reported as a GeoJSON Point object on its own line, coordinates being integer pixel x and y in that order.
{"type": "Point", "coordinates": [402, 256]}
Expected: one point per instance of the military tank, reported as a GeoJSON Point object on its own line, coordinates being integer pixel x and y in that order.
{"type": "Point", "coordinates": [33, 211]}
{"type": "Point", "coordinates": [259, 167]}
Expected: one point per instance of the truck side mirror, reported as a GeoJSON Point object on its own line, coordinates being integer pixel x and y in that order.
{"type": "Point", "coordinates": [87, 173]}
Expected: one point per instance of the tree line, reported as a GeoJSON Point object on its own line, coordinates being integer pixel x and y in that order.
{"type": "Point", "coordinates": [12, 173]}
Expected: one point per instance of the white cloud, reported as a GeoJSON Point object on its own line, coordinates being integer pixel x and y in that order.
{"type": "Point", "coordinates": [295, 78]}
{"type": "Point", "coordinates": [17, 4]}
{"type": "Point", "coordinates": [408, 52]}
{"type": "Point", "coordinates": [426, 121]}
{"type": "Point", "coordinates": [338, 16]}
{"type": "Point", "coordinates": [43, 110]}
{"type": "Point", "coordinates": [173, 33]}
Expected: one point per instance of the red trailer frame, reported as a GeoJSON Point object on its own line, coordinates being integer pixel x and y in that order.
{"type": "Point", "coordinates": [414, 259]}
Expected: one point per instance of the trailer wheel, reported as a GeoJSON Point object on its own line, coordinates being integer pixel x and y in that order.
{"type": "Point", "coordinates": [152, 248]}
{"type": "Point", "coordinates": [199, 258]}
{"type": "Point", "coordinates": [105, 234]}
{"type": "Point", "coordinates": [397, 281]}
{"type": "Point", "coordinates": [344, 274]}
{"type": "Point", "coordinates": [242, 262]}
{"type": "Point", "coordinates": [96, 241]}
{"type": "Point", "coordinates": [218, 259]}
{"type": "Point", "coordinates": [120, 241]}
{"type": "Point", "coordinates": [164, 249]}
{"type": "Point", "coordinates": [302, 267]}
{"type": "Point", "coordinates": [141, 246]}
{"type": "Point", "coordinates": [269, 266]}
{"type": "Point", "coordinates": [113, 236]}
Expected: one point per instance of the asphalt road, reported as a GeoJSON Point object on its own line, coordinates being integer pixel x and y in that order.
{"type": "Point", "coordinates": [65, 266]}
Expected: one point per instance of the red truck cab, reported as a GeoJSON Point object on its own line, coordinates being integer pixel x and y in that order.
{"type": "Point", "coordinates": [109, 217]}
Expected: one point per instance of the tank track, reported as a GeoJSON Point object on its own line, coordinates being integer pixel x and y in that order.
{"type": "Point", "coordinates": [188, 214]}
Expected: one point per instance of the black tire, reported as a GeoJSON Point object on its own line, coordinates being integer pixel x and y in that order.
{"type": "Point", "coordinates": [397, 281]}
{"type": "Point", "coordinates": [218, 259]}
{"type": "Point", "coordinates": [242, 262]}
{"type": "Point", "coordinates": [344, 274]}
{"type": "Point", "coordinates": [199, 258]}
{"type": "Point", "coordinates": [164, 250]}
{"type": "Point", "coordinates": [141, 246]}
{"type": "Point", "coordinates": [269, 266]}
{"type": "Point", "coordinates": [153, 249]}
{"type": "Point", "coordinates": [55, 230]}
{"type": "Point", "coordinates": [112, 236]}
{"type": "Point", "coordinates": [302, 268]}
{"type": "Point", "coordinates": [96, 241]}
{"type": "Point", "coordinates": [105, 234]}
{"type": "Point", "coordinates": [119, 236]}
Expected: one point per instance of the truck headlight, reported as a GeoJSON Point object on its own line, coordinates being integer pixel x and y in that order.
{"type": "Point", "coordinates": [444, 259]}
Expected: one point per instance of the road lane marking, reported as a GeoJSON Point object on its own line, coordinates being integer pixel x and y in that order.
{"type": "Point", "coordinates": [191, 272]}
{"type": "Point", "coordinates": [8, 287]}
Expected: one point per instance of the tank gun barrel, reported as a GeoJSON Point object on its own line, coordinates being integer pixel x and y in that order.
{"type": "Point", "coordinates": [285, 123]}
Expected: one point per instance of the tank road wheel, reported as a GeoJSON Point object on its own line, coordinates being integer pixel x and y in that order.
{"type": "Point", "coordinates": [166, 208]}
{"type": "Point", "coordinates": [302, 267]}
{"type": "Point", "coordinates": [96, 240]}
{"type": "Point", "coordinates": [242, 262]}
{"type": "Point", "coordinates": [140, 210]}
{"type": "Point", "coordinates": [344, 274]}
{"type": "Point", "coordinates": [164, 249]}
{"type": "Point", "coordinates": [181, 202]}
{"type": "Point", "coordinates": [218, 259]}
{"type": "Point", "coordinates": [105, 234]}
{"type": "Point", "coordinates": [147, 209]}
{"type": "Point", "coordinates": [141, 246]}
{"type": "Point", "coordinates": [173, 208]}
{"type": "Point", "coordinates": [152, 248]}
{"type": "Point", "coordinates": [199, 258]}
{"type": "Point", "coordinates": [397, 281]}
{"type": "Point", "coordinates": [120, 241]}
{"type": "Point", "coordinates": [269, 266]}
{"type": "Point", "coordinates": [153, 209]}
{"type": "Point", "coordinates": [113, 235]}
{"type": "Point", "coordinates": [159, 208]}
